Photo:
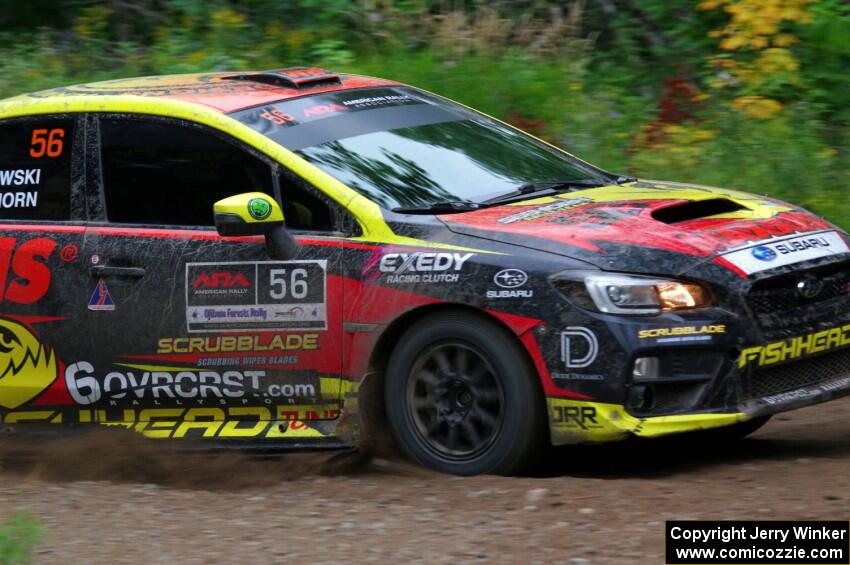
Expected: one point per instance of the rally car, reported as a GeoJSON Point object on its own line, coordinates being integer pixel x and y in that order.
{"type": "Point", "coordinates": [295, 257]}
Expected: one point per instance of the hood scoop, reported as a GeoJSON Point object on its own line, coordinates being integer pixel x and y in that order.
{"type": "Point", "coordinates": [695, 210]}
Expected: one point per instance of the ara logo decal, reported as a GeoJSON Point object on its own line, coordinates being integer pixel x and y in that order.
{"type": "Point", "coordinates": [579, 347]}
{"type": "Point", "coordinates": [222, 279]}
{"type": "Point", "coordinates": [27, 367]}
{"type": "Point", "coordinates": [100, 298]}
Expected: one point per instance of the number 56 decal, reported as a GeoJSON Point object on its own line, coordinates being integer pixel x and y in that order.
{"type": "Point", "coordinates": [262, 295]}
{"type": "Point", "coordinates": [46, 142]}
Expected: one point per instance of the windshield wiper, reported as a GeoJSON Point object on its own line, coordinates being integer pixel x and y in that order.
{"type": "Point", "coordinates": [542, 189]}
{"type": "Point", "coordinates": [449, 207]}
{"type": "Point", "coordinates": [624, 179]}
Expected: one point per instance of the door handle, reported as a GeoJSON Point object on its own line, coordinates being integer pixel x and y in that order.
{"type": "Point", "coordinates": [106, 270]}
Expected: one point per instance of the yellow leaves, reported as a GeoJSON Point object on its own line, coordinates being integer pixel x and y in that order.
{"type": "Point", "coordinates": [755, 24]}
{"type": "Point", "coordinates": [756, 106]}
{"type": "Point", "coordinates": [227, 18]}
{"type": "Point", "coordinates": [784, 40]}
{"type": "Point", "coordinates": [757, 43]}
{"type": "Point", "coordinates": [776, 60]}
{"type": "Point", "coordinates": [681, 145]}
{"type": "Point", "coordinates": [827, 153]}
{"type": "Point", "coordinates": [706, 5]}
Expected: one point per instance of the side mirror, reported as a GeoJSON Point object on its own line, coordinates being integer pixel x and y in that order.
{"type": "Point", "coordinates": [255, 213]}
{"type": "Point", "coordinates": [251, 213]}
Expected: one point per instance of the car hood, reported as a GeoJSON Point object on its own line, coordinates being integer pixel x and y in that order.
{"type": "Point", "coordinates": [646, 226]}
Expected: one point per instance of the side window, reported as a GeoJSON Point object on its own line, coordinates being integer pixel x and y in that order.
{"type": "Point", "coordinates": [35, 168]}
{"type": "Point", "coordinates": [170, 174]}
{"type": "Point", "coordinates": [304, 210]}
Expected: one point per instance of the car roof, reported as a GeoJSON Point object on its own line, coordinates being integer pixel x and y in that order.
{"type": "Point", "coordinates": [223, 91]}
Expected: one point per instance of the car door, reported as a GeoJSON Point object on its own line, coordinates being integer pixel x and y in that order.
{"type": "Point", "coordinates": [199, 334]}
{"type": "Point", "coordinates": [42, 276]}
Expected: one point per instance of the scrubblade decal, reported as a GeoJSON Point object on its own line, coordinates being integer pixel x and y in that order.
{"type": "Point", "coordinates": [678, 334]}
{"type": "Point", "coordinates": [238, 343]}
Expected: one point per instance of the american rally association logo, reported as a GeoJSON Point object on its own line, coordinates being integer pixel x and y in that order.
{"type": "Point", "coordinates": [27, 367]}
{"type": "Point", "coordinates": [764, 253]}
{"type": "Point", "coordinates": [259, 208]}
{"type": "Point", "coordinates": [100, 298]}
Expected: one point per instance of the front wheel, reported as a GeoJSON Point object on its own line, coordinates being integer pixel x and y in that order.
{"type": "Point", "coordinates": [462, 398]}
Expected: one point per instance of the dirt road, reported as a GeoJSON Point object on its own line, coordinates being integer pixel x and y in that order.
{"type": "Point", "coordinates": [107, 501]}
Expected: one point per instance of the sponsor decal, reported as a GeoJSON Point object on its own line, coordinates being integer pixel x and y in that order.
{"type": "Point", "coordinates": [422, 267]}
{"type": "Point", "coordinates": [24, 276]}
{"type": "Point", "coordinates": [778, 252]}
{"type": "Point", "coordinates": [153, 386]}
{"type": "Point", "coordinates": [207, 422]}
{"type": "Point", "coordinates": [794, 348]}
{"type": "Point", "coordinates": [259, 208]}
{"type": "Point", "coordinates": [238, 343]}
{"type": "Point", "coordinates": [543, 211]}
{"type": "Point", "coordinates": [579, 347]}
{"type": "Point", "coordinates": [100, 298]}
{"type": "Point", "coordinates": [27, 367]}
{"type": "Point", "coordinates": [69, 253]}
{"type": "Point", "coordinates": [764, 253]}
{"type": "Point", "coordinates": [808, 392]}
{"type": "Point", "coordinates": [582, 417]}
{"type": "Point", "coordinates": [510, 280]}
{"type": "Point", "coordinates": [262, 295]}
{"type": "Point", "coordinates": [682, 333]}
{"type": "Point", "coordinates": [577, 377]}
{"type": "Point", "coordinates": [20, 177]}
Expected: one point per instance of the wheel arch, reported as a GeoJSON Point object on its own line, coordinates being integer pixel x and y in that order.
{"type": "Point", "coordinates": [371, 391]}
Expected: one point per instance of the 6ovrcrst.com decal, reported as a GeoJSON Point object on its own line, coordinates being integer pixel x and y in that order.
{"type": "Point", "coordinates": [260, 295]}
{"type": "Point", "coordinates": [29, 369]}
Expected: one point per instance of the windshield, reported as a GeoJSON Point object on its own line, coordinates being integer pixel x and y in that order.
{"type": "Point", "coordinates": [402, 148]}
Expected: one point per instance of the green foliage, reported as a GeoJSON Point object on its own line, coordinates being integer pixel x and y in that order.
{"type": "Point", "coordinates": [592, 76]}
{"type": "Point", "coordinates": [18, 537]}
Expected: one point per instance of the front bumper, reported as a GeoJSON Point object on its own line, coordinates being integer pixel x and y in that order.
{"type": "Point", "coordinates": [573, 421]}
{"type": "Point", "coordinates": [761, 353]}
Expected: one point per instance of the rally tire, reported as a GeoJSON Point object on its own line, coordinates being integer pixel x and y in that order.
{"type": "Point", "coordinates": [462, 397]}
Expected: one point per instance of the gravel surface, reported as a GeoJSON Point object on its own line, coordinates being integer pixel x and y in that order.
{"type": "Point", "coordinates": [114, 498]}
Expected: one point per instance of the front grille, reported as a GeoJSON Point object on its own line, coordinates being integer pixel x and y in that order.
{"type": "Point", "coordinates": [781, 311]}
{"type": "Point", "coordinates": [799, 374]}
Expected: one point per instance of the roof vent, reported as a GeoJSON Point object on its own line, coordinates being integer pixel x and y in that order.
{"type": "Point", "coordinates": [293, 77]}
{"type": "Point", "coordinates": [696, 209]}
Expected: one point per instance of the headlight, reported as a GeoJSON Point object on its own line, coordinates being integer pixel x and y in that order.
{"type": "Point", "coordinates": [629, 294]}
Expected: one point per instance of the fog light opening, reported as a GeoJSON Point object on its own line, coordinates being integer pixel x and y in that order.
{"type": "Point", "coordinates": [641, 398]}
{"type": "Point", "coordinates": [645, 368]}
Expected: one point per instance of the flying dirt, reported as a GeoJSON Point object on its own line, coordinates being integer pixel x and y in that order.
{"type": "Point", "coordinates": [119, 498]}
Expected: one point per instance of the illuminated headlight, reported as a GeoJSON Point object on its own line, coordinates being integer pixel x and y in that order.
{"type": "Point", "coordinates": [630, 294]}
